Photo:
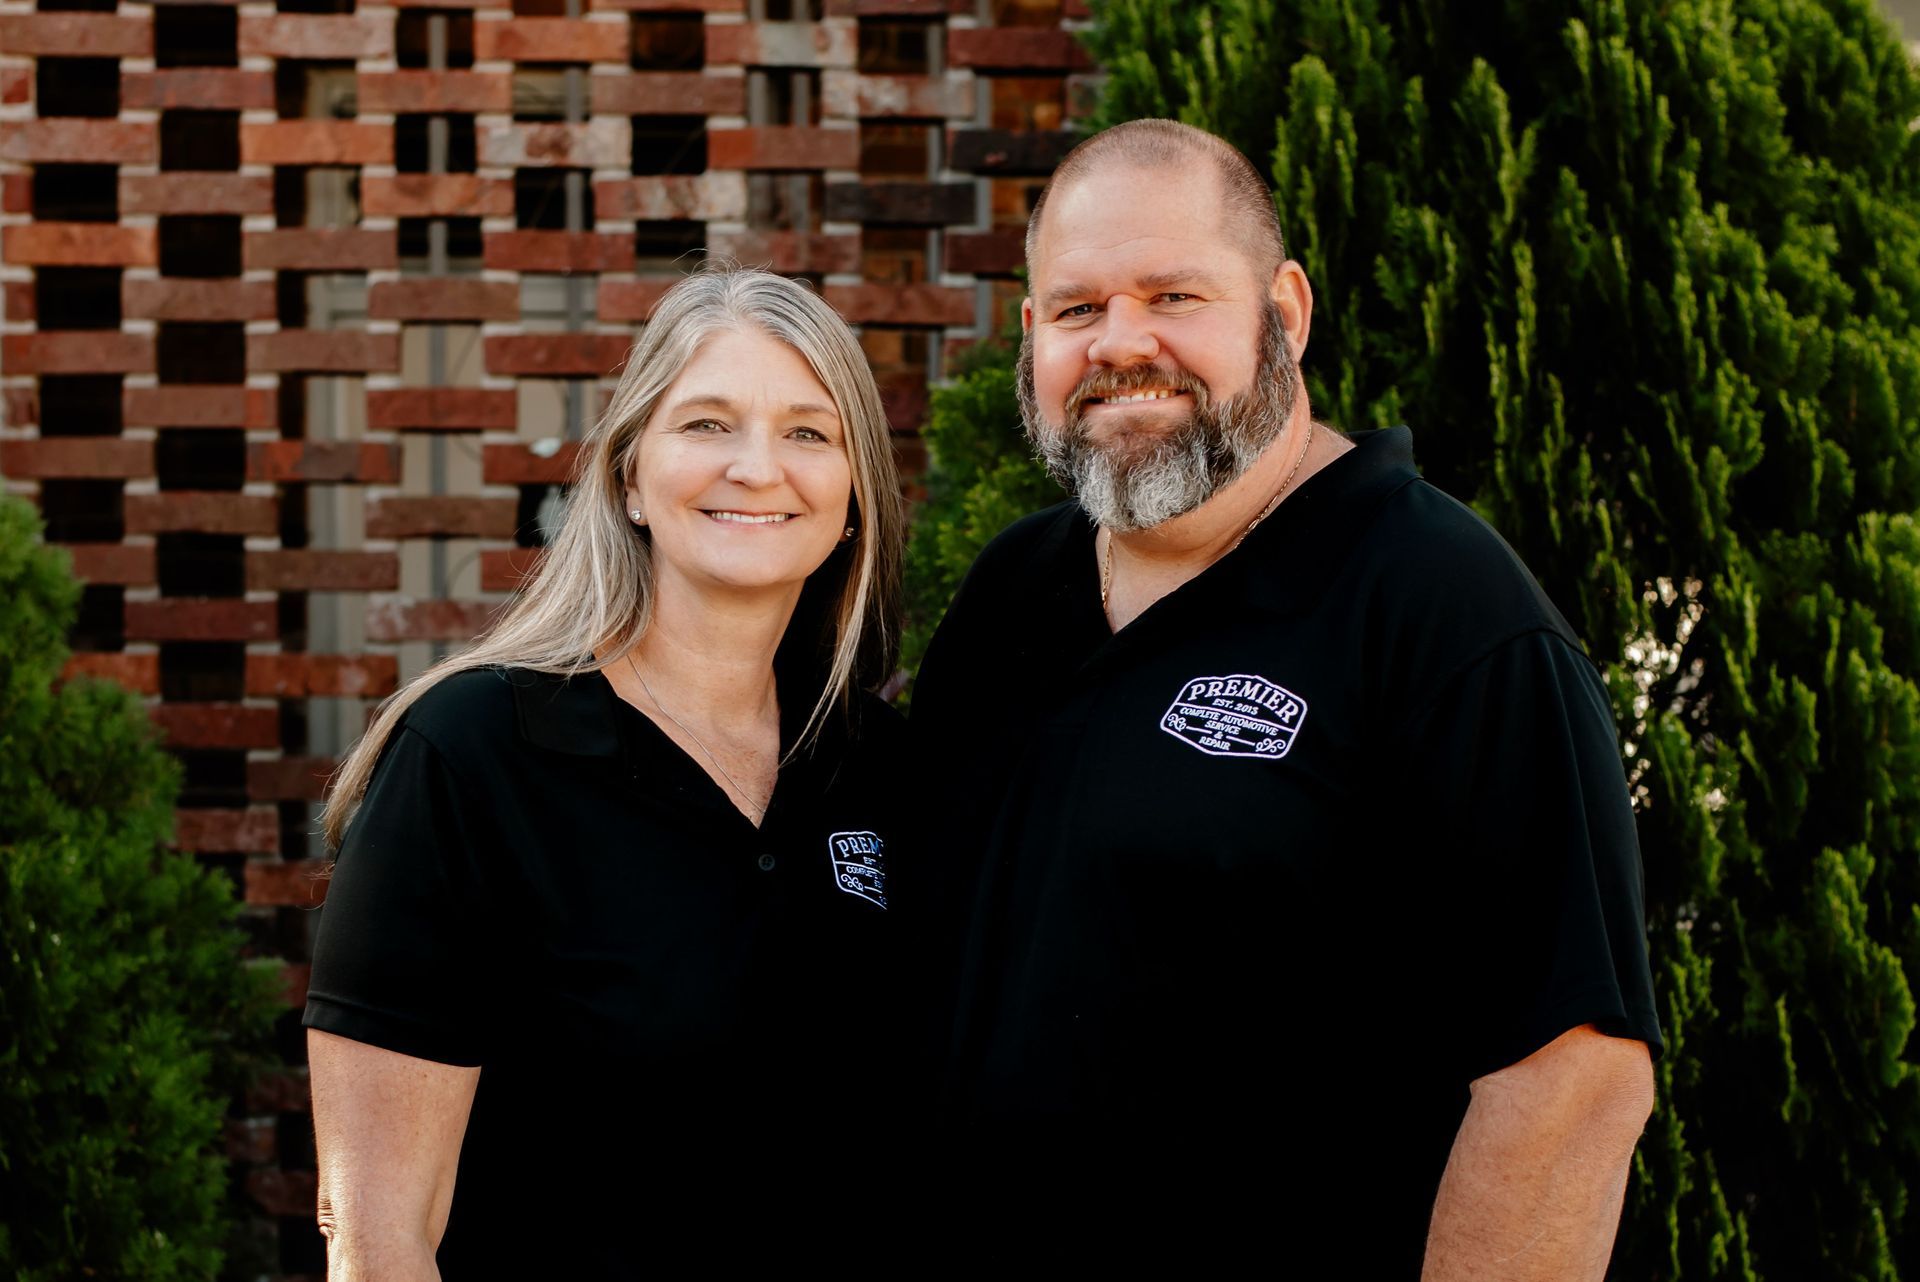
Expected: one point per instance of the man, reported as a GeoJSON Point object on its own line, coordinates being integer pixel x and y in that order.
{"type": "Point", "coordinates": [1286, 843]}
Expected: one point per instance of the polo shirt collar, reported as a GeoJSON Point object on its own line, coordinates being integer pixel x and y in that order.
{"type": "Point", "coordinates": [566, 714]}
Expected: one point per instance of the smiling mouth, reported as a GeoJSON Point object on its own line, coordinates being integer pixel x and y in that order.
{"type": "Point", "coordinates": [1135, 398]}
{"type": "Point", "coordinates": [753, 518]}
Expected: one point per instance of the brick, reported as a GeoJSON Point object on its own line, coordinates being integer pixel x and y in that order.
{"type": "Point", "coordinates": [558, 251]}
{"type": "Point", "coordinates": [320, 249]}
{"type": "Point", "coordinates": [903, 304]}
{"type": "Point", "coordinates": [405, 619]}
{"type": "Point", "coordinates": [413, 517]}
{"type": "Point", "coordinates": [78, 139]}
{"type": "Point", "coordinates": [1031, 152]}
{"type": "Point", "coordinates": [16, 85]}
{"type": "Point", "coordinates": [669, 93]}
{"type": "Point", "coordinates": [16, 192]}
{"type": "Point", "coordinates": [444, 299]}
{"type": "Point", "coordinates": [204, 88]}
{"type": "Point", "coordinates": [201, 511]}
{"type": "Point", "coordinates": [323, 351]}
{"type": "Point", "coordinates": [1075, 10]}
{"type": "Point", "coordinates": [296, 883]}
{"type": "Point", "coordinates": [199, 405]}
{"type": "Point", "coordinates": [629, 302]}
{"type": "Point", "coordinates": [139, 673]}
{"type": "Point", "coordinates": [1016, 49]}
{"type": "Point", "coordinates": [321, 570]}
{"type": "Point", "coordinates": [174, 298]}
{"type": "Point", "coordinates": [343, 37]}
{"type": "Point", "coordinates": [847, 93]}
{"type": "Point", "coordinates": [556, 355]}
{"type": "Point", "coordinates": [315, 142]}
{"type": "Point", "coordinates": [709, 197]}
{"type": "Point", "coordinates": [519, 465]}
{"type": "Point", "coordinates": [783, 147]}
{"type": "Point", "coordinates": [294, 978]}
{"type": "Point", "coordinates": [51, 457]}
{"type": "Point", "coordinates": [76, 35]}
{"type": "Point", "coordinates": [434, 91]}
{"type": "Point", "coordinates": [599, 144]}
{"type": "Point", "coordinates": [288, 1194]}
{"type": "Point", "coordinates": [253, 1141]}
{"type": "Point", "coordinates": [323, 461]}
{"type": "Point", "coordinates": [904, 398]}
{"type": "Point", "coordinates": [303, 676]}
{"type": "Point", "coordinates": [51, 244]}
{"type": "Point", "coordinates": [21, 304]}
{"type": "Point", "coordinates": [20, 405]}
{"type": "Point", "coordinates": [126, 564]}
{"type": "Point", "coordinates": [228, 726]}
{"type": "Point", "coordinates": [926, 204]}
{"type": "Point", "coordinates": [196, 193]}
{"type": "Point", "coordinates": [212, 619]}
{"type": "Point", "coordinates": [289, 778]}
{"type": "Point", "coordinates": [790, 252]}
{"type": "Point", "coordinates": [281, 1090]}
{"type": "Point", "coordinates": [508, 569]}
{"type": "Point", "coordinates": [550, 40]}
{"type": "Point", "coordinates": [782, 44]}
{"type": "Point", "coordinates": [671, 6]}
{"type": "Point", "coordinates": [78, 351]}
{"type": "Point", "coordinates": [220, 832]}
{"type": "Point", "coordinates": [436, 196]}
{"type": "Point", "coordinates": [1000, 252]}
{"type": "Point", "coordinates": [897, 8]}
{"type": "Point", "coordinates": [455, 409]}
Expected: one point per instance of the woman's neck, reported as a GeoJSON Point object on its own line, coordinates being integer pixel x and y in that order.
{"type": "Point", "coordinates": [711, 658]}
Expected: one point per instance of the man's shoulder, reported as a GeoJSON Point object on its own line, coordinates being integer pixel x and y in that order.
{"type": "Point", "coordinates": [1035, 535]}
{"type": "Point", "coordinates": [1437, 567]}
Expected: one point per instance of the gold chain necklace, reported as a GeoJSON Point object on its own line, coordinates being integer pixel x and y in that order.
{"type": "Point", "coordinates": [1106, 559]}
{"type": "Point", "coordinates": [745, 796]}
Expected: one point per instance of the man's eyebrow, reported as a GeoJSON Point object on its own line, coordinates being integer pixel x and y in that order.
{"type": "Point", "coordinates": [1155, 283]}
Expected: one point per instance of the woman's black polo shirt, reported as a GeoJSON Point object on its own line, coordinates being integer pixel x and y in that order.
{"type": "Point", "coordinates": [686, 1026]}
{"type": "Point", "coordinates": [1243, 897]}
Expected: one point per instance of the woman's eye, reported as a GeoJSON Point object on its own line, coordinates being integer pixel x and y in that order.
{"type": "Point", "coordinates": [810, 434]}
{"type": "Point", "coordinates": [704, 425]}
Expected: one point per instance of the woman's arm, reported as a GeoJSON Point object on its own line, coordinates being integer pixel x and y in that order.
{"type": "Point", "coordinates": [388, 1128]}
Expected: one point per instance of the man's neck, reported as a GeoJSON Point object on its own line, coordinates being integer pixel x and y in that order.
{"type": "Point", "coordinates": [1141, 566]}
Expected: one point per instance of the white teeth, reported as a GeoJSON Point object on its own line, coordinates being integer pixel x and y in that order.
{"type": "Point", "coordinates": [1137, 397]}
{"type": "Point", "coordinates": [743, 518]}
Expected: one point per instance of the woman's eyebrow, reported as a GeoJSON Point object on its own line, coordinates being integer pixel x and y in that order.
{"type": "Point", "coordinates": [811, 407]}
{"type": "Point", "coordinates": [703, 403]}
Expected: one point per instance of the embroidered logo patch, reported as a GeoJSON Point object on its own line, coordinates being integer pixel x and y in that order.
{"type": "Point", "coordinates": [859, 866]}
{"type": "Point", "coordinates": [1236, 716]}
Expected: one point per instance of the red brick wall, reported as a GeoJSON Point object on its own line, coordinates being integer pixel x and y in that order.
{"type": "Point", "coordinates": [291, 368]}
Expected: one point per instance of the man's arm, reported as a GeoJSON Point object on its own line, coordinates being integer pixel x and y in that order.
{"type": "Point", "coordinates": [1534, 1186]}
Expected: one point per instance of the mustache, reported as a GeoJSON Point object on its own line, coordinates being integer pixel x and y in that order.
{"type": "Point", "coordinates": [1100, 384]}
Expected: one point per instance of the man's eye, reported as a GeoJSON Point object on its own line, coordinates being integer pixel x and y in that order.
{"type": "Point", "coordinates": [1079, 309]}
{"type": "Point", "coordinates": [1176, 298]}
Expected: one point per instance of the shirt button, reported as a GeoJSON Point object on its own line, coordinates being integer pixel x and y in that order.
{"type": "Point", "coordinates": [766, 863]}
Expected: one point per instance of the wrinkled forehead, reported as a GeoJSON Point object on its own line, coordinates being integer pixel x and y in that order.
{"type": "Point", "coordinates": [1127, 220]}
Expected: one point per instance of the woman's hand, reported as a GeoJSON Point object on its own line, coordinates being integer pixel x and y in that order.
{"type": "Point", "coordinates": [388, 1128]}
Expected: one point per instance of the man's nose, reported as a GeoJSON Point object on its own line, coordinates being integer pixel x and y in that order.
{"type": "Point", "coordinates": [755, 461]}
{"type": "Point", "coordinates": [1126, 335]}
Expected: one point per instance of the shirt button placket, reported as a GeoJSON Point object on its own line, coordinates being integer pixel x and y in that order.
{"type": "Point", "coordinates": [765, 862]}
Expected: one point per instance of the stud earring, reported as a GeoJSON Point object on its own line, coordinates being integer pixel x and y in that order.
{"type": "Point", "coordinates": [848, 533]}
{"type": "Point", "coordinates": [635, 514]}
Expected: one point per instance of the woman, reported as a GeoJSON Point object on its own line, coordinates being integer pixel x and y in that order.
{"type": "Point", "coordinates": [604, 982]}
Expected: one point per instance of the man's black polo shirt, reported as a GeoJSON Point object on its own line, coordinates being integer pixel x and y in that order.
{"type": "Point", "coordinates": [686, 1025]}
{"type": "Point", "coordinates": [1248, 893]}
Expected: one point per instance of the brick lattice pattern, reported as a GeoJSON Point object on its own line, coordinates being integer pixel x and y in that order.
{"type": "Point", "coordinates": [306, 305]}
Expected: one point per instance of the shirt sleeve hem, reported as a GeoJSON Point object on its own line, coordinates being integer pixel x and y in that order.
{"type": "Point", "coordinates": [389, 1032]}
{"type": "Point", "coordinates": [1600, 1005]}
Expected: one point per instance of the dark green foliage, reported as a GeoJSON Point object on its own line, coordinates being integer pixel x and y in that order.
{"type": "Point", "coordinates": [983, 478]}
{"type": "Point", "coordinates": [1644, 278]}
{"type": "Point", "coordinates": [125, 1013]}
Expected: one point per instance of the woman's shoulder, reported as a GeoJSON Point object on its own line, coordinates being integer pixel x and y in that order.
{"type": "Point", "coordinates": [471, 709]}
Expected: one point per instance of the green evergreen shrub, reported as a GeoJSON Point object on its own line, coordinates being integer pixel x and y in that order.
{"type": "Point", "coordinates": [1645, 280]}
{"type": "Point", "coordinates": [127, 1016]}
{"type": "Point", "coordinates": [981, 478]}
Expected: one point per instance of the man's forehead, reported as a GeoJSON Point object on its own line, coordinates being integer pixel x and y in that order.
{"type": "Point", "coordinates": [1149, 269]}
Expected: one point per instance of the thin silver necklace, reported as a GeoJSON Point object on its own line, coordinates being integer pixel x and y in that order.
{"type": "Point", "coordinates": [1106, 560]}
{"type": "Point", "coordinates": [760, 811]}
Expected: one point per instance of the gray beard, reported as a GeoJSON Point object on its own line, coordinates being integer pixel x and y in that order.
{"type": "Point", "coordinates": [1139, 480]}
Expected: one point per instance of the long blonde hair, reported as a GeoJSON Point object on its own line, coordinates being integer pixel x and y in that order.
{"type": "Point", "coordinates": [592, 598]}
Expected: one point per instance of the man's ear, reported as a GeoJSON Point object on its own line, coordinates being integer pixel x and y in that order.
{"type": "Point", "coordinates": [1026, 315]}
{"type": "Point", "coordinates": [1293, 295]}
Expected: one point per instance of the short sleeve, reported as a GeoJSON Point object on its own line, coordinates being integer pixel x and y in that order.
{"type": "Point", "coordinates": [399, 961]}
{"type": "Point", "coordinates": [1521, 795]}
